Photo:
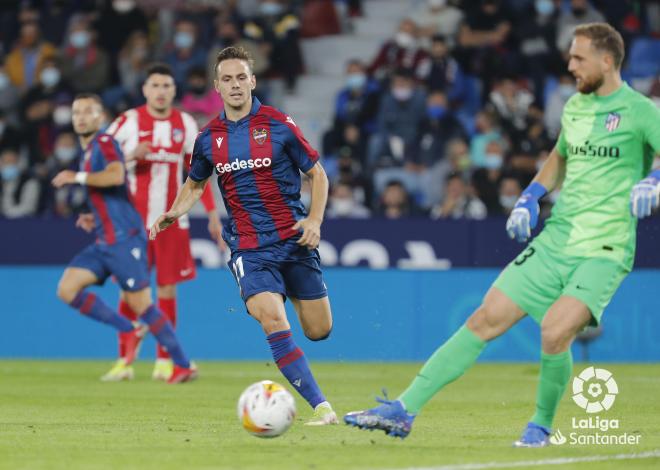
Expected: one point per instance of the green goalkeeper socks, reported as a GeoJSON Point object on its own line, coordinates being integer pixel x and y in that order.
{"type": "Point", "coordinates": [556, 370]}
{"type": "Point", "coordinates": [446, 364]}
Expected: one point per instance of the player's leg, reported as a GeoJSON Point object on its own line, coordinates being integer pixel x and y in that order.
{"type": "Point", "coordinates": [166, 295]}
{"type": "Point", "coordinates": [71, 290]}
{"type": "Point", "coordinates": [315, 317]}
{"type": "Point", "coordinates": [174, 264]}
{"type": "Point", "coordinates": [120, 370]}
{"type": "Point", "coordinates": [589, 288]}
{"type": "Point", "coordinates": [268, 309]}
{"type": "Point", "coordinates": [142, 303]}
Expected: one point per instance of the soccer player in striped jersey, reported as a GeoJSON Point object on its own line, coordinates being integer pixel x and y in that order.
{"type": "Point", "coordinates": [120, 248]}
{"type": "Point", "coordinates": [157, 140]}
{"type": "Point", "coordinates": [257, 153]}
{"type": "Point", "coordinates": [566, 276]}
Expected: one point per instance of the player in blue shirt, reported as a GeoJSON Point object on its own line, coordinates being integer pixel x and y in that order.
{"type": "Point", "coordinates": [257, 152]}
{"type": "Point", "coordinates": [120, 248]}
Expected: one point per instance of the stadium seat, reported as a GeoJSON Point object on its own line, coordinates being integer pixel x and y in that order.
{"type": "Point", "coordinates": [644, 58]}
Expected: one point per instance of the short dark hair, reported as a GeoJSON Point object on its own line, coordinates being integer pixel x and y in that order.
{"type": "Point", "coordinates": [233, 52]}
{"type": "Point", "coordinates": [89, 96]}
{"type": "Point", "coordinates": [160, 68]}
{"type": "Point", "coordinates": [604, 38]}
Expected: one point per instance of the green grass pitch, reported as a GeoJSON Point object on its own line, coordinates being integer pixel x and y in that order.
{"type": "Point", "coordinates": [56, 414]}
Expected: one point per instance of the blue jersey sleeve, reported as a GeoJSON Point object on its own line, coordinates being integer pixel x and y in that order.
{"type": "Point", "coordinates": [201, 167]}
{"type": "Point", "coordinates": [298, 149]}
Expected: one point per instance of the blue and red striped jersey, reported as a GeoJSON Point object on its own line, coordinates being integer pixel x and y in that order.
{"type": "Point", "coordinates": [258, 161]}
{"type": "Point", "coordinates": [116, 218]}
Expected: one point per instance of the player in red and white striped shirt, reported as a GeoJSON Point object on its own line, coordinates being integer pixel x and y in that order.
{"type": "Point", "coordinates": [157, 140]}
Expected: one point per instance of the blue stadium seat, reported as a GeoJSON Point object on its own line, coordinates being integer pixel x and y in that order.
{"type": "Point", "coordinates": [644, 58]}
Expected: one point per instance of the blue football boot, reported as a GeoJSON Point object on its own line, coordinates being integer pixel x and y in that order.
{"type": "Point", "coordinates": [534, 435]}
{"type": "Point", "coordinates": [390, 417]}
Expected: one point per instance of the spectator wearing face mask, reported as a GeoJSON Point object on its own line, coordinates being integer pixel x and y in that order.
{"type": "Point", "coordinates": [277, 28]}
{"type": "Point", "coordinates": [200, 100]}
{"type": "Point", "coordinates": [85, 66]}
{"type": "Point", "coordinates": [485, 179]}
{"type": "Point", "coordinates": [437, 17]}
{"type": "Point", "coordinates": [401, 51]}
{"type": "Point", "coordinates": [556, 102]}
{"type": "Point", "coordinates": [401, 111]}
{"type": "Point", "coordinates": [132, 64]}
{"type": "Point", "coordinates": [19, 191]}
{"type": "Point", "coordinates": [509, 192]}
{"type": "Point", "coordinates": [580, 12]}
{"type": "Point", "coordinates": [342, 204]}
{"type": "Point", "coordinates": [45, 107]}
{"type": "Point", "coordinates": [25, 61]}
{"type": "Point", "coordinates": [458, 202]}
{"type": "Point", "coordinates": [487, 132]}
{"type": "Point", "coordinates": [60, 201]}
{"type": "Point", "coordinates": [356, 106]}
{"type": "Point", "coordinates": [441, 72]}
{"type": "Point", "coordinates": [438, 127]}
{"type": "Point", "coordinates": [185, 52]}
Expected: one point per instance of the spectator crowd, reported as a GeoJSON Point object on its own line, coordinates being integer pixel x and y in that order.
{"type": "Point", "coordinates": [451, 118]}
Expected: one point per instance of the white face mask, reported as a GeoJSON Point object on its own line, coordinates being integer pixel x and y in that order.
{"type": "Point", "coordinates": [435, 4]}
{"type": "Point", "coordinates": [4, 81]}
{"type": "Point", "coordinates": [404, 40]}
{"type": "Point", "coordinates": [50, 77]}
{"type": "Point", "coordinates": [402, 93]}
{"type": "Point", "coordinates": [65, 154]}
{"type": "Point", "coordinates": [508, 201]}
{"type": "Point", "coordinates": [493, 161]}
{"type": "Point", "coordinates": [342, 206]}
{"type": "Point", "coordinates": [123, 6]}
{"type": "Point", "coordinates": [62, 115]}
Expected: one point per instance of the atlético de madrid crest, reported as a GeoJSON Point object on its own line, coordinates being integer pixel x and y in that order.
{"type": "Point", "coordinates": [612, 121]}
{"type": "Point", "coordinates": [259, 135]}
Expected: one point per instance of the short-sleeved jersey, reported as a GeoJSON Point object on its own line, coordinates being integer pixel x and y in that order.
{"type": "Point", "coordinates": [116, 218]}
{"type": "Point", "coordinates": [608, 143]}
{"type": "Point", "coordinates": [258, 160]}
{"type": "Point", "coordinates": [155, 180]}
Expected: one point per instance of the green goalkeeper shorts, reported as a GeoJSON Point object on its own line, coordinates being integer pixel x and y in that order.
{"type": "Point", "coordinates": [540, 275]}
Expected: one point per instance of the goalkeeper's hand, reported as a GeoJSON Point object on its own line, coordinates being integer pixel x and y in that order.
{"type": "Point", "coordinates": [525, 214]}
{"type": "Point", "coordinates": [645, 195]}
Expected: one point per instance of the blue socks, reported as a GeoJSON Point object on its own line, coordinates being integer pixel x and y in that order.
{"type": "Point", "coordinates": [294, 366]}
{"type": "Point", "coordinates": [90, 305]}
{"type": "Point", "coordinates": [162, 329]}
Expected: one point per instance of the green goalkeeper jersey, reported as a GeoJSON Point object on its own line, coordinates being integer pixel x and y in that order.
{"type": "Point", "coordinates": [609, 143]}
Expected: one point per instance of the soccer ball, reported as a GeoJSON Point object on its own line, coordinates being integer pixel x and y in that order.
{"type": "Point", "coordinates": [266, 409]}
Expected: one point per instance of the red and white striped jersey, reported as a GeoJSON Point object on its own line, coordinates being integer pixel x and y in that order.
{"type": "Point", "coordinates": [155, 180]}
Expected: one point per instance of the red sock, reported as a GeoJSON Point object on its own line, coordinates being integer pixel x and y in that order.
{"type": "Point", "coordinates": [128, 312]}
{"type": "Point", "coordinates": [168, 307]}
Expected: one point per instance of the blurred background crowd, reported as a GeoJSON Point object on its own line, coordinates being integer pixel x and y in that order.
{"type": "Point", "coordinates": [449, 117]}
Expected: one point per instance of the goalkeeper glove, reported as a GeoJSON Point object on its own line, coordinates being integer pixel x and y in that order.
{"type": "Point", "coordinates": [645, 195]}
{"type": "Point", "coordinates": [525, 214]}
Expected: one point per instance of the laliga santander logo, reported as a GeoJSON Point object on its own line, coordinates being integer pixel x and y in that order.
{"type": "Point", "coordinates": [594, 390]}
{"type": "Point", "coordinates": [243, 165]}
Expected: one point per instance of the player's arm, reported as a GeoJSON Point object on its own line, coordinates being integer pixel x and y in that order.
{"type": "Point", "coordinates": [525, 214]}
{"type": "Point", "coordinates": [188, 195]}
{"type": "Point", "coordinates": [645, 195]}
{"type": "Point", "coordinates": [311, 225]}
{"type": "Point", "coordinates": [112, 175]}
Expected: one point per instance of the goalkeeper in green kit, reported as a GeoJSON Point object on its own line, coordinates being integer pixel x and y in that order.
{"type": "Point", "coordinates": [567, 275]}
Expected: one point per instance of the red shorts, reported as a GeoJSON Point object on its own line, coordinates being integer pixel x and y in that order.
{"type": "Point", "coordinates": [170, 254]}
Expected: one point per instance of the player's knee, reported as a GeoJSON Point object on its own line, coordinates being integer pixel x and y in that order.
{"type": "Point", "coordinates": [483, 323]}
{"type": "Point", "coordinates": [66, 292]}
{"type": "Point", "coordinates": [318, 333]}
{"type": "Point", "coordinates": [554, 340]}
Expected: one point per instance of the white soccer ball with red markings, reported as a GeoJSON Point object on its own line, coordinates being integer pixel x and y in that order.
{"type": "Point", "coordinates": [266, 409]}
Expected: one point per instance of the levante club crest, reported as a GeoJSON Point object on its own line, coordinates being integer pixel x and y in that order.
{"type": "Point", "coordinates": [259, 135]}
